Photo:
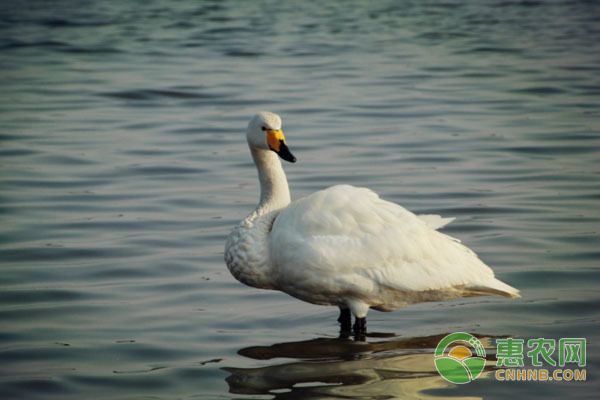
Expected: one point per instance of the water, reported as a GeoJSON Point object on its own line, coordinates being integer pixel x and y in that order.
{"type": "Point", "coordinates": [123, 166]}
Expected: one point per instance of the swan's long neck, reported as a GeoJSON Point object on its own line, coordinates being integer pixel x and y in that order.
{"type": "Point", "coordinates": [274, 190]}
{"type": "Point", "coordinates": [247, 251]}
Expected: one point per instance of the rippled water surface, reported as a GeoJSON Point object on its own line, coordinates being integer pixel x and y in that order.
{"type": "Point", "coordinates": [123, 166]}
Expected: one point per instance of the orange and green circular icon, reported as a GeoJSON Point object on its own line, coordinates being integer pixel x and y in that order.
{"type": "Point", "coordinates": [459, 357]}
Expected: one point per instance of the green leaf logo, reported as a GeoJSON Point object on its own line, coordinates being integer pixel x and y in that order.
{"type": "Point", "coordinates": [459, 357]}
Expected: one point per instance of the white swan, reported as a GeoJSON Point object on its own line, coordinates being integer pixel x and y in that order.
{"type": "Point", "coordinates": [344, 246]}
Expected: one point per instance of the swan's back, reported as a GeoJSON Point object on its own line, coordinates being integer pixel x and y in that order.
{"type": "Point", "coordinates": [347, 242]}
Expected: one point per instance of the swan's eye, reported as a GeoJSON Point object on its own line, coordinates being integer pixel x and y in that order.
{"type": "Point", "coordinates": [264, 128]}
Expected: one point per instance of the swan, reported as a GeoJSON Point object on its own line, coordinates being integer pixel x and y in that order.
{"type": "Point", "coordinates": [344, 246]}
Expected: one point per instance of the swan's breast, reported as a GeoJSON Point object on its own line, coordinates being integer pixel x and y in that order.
{"type": "Point", "coordinates": [247, 255]}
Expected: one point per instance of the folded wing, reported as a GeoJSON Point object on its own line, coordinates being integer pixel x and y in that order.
{"type": "Point", "coordinates": [347, 240]}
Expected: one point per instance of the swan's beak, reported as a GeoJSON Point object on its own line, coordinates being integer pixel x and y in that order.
{"type": "Point", "coordinates": [276, 141]}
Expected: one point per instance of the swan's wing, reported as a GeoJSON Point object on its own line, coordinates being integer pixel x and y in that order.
{"type": "Point", "coordinates": [347, 238]}
{"type": "Point", "coordinates": [435, 221]}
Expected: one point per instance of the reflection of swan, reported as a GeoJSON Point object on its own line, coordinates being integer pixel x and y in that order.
{"type": "Point", "coordinates": [333, 368]}
{"type": "Point", "coordinates": [345, 246]}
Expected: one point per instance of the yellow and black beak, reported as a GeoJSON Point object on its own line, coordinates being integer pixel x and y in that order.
{"type": "Point", "coordinates": [276, 142]}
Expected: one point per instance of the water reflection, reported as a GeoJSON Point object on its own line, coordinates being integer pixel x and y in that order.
{"type": "Point", "coordinates": [327, 368]}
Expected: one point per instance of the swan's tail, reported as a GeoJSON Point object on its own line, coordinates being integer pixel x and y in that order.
{"type": "Point", "coordinates": [497, 287]}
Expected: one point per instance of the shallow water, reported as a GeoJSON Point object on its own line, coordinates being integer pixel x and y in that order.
{"type": "Point", "coordinates": [123, 166]}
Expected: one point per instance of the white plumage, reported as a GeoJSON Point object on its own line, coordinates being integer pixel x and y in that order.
{"type": "Point", "coordinates": [344, 245]}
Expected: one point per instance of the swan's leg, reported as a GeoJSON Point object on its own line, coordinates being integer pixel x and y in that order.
{"type": "Point", "coordinates": [360, 309]}
{"type": "Point", "coordinates": [345, 320]}
{"type": "Point", "coordinates": [360, 329]}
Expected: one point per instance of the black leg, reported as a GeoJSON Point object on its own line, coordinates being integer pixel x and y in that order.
{"type": "Point", "coordinates": [345, 320]}
{"type": "Point", "coordinates": [360, 329]}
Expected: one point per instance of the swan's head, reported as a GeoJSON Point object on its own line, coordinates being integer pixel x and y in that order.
{"type": "Point", "coordinates": [264, 132]}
